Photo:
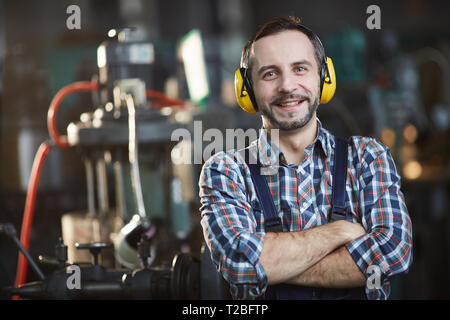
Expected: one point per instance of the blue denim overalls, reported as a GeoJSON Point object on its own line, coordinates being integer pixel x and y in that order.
{"type": "Point", "coordinates": [272, 223]}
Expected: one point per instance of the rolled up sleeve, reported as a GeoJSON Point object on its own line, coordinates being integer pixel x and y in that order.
{"type": "Point", "coordinates": [387, 245]}
{"type": "Point", "coordinates": [230, 228]}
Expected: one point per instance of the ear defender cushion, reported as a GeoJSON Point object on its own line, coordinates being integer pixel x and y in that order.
{"type": "Point", "coordinates": [329, 82]}
{"type": "Point", "coordinates": [243, 91]}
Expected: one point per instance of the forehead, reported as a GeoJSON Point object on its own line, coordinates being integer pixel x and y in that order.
{"type": "Point", "coordinates": [284, 47]}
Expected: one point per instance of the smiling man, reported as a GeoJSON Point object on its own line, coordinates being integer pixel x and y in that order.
{"type": "Point", "coordinates": [306, 254]}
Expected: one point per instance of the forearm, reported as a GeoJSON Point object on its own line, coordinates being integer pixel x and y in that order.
{"type": "Point", "coordinates": [289, 254]}
{"type": "Point", "coordinates": [336, 270]}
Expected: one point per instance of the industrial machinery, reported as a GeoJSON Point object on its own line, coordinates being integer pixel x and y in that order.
{"type": "Point", "coordinates": [186, 278]}
{"type": "Point", "coordinates": [135, 218]}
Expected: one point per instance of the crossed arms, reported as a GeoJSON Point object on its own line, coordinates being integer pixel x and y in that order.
{"type": "Point", "coordinates": [333, 255]}
{"type": "Point", "coordinates": [323, 261]}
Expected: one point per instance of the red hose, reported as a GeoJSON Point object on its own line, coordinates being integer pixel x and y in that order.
{"type": "Point", "coordinates": [22, 264]}
{"type": "Point", "coordinates": [61, 141]}
{"type": "Point", "coordinates": [163, 99]}
{"type": "Point", "coordinates": [44, 148]}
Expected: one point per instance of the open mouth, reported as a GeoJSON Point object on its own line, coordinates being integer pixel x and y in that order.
{"type": "Point", "coordinates": [290, 104]}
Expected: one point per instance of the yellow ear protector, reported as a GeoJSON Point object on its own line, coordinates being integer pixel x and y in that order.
{"type": "Point", "coordinates": [244, 91]}
{"type": "Point", "coordinates": [327, 81]}
{"type": "Point", "coordinates": [246, 98]}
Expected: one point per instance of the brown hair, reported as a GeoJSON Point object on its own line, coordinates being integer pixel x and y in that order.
{"type": "Point", "coordinates": [277, 25]}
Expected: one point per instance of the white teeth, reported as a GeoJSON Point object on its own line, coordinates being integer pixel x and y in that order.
{"type": "Point", "coordinates": [288, 104]}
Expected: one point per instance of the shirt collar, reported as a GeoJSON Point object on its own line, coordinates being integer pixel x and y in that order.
{"type": "Point", "coordinates": [269, 153]}
{"type": "Point", "coordinates": [324, 137]}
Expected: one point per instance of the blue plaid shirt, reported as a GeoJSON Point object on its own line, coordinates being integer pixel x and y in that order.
{"type": "Point", "coordinates": [233, 222]}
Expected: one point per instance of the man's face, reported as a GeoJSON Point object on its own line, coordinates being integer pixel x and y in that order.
{"type": "Point", "coordinates": [285, 79]}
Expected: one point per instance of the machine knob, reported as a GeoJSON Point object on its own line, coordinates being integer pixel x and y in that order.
{"type": "Point", "coordinates": [94, 248]}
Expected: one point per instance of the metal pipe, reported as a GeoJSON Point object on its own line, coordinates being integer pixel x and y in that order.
{"type": "Point", "coordinates": [90, 186]}
{"type": "Point", "coordinates": [133, 155]}
{"type": "Point", "coordinates": [102, 186]}
{"type": "Point", "coordinates": [120, 192]}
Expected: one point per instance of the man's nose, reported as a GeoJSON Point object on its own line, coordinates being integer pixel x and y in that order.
{"type": "Point", "coordinates": [288, 83]}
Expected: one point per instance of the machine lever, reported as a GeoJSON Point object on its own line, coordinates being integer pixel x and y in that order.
{"type": "Point", "coordinates": [10, 231]}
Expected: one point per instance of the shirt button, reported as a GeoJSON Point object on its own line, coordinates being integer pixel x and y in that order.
{"type": "Point", "coordinates": [302, 171]}
{"type": "Point", "coordinates": [304, 205]}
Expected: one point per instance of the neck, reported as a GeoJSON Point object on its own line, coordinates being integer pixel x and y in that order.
{"type": "Point", "coordinates": [293, 142]}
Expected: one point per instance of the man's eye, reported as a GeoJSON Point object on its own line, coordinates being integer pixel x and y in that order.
{"type": "Point", "coordinates": [300, 69]}
{"type": "Point", "coordinates": [269, 74]}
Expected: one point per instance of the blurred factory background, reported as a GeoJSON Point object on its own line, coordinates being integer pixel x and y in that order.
{"type": "Point", "coordinates": [392, 84]}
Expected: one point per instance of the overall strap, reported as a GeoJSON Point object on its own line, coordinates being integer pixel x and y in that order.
{"type": "Point", "coordinates": [338, 209]}
{"type": "Point", "coordinates": [272, 222]}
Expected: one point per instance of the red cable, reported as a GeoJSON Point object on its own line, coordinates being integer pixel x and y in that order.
{"type": "Point", "coordinates": [44, 148]}
{"type": "Point", "coordinates": [163, 99]}
{"type": "Point", "coordinates": [22, 264]}
{"type": "Point", "coordinates": [61, 141]}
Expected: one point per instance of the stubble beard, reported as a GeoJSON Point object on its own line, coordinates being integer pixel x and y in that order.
{"type": "Point", "coordinates": [288, 125]}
